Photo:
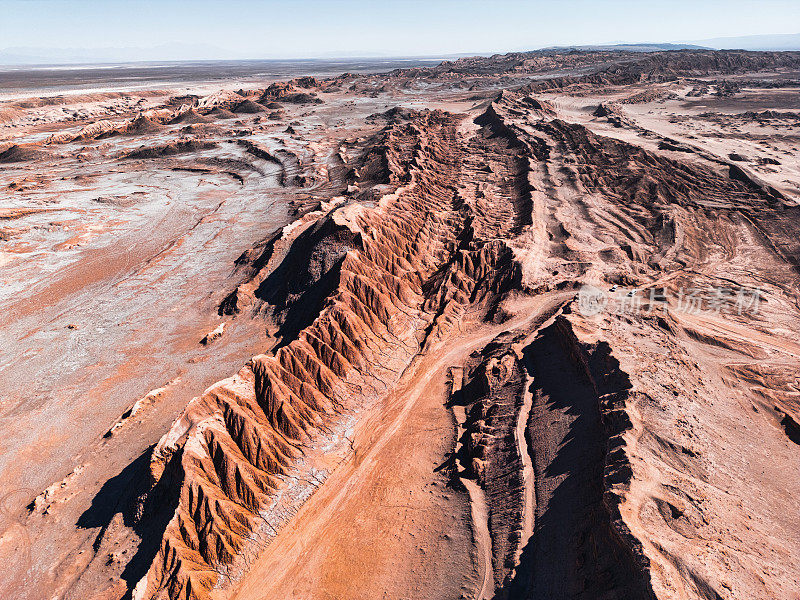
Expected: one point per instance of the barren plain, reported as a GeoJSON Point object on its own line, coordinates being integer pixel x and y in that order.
{"type": "Point", "coordinates": [513, 327]}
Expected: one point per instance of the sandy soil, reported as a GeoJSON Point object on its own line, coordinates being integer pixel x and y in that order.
{"type": "Point", "coordinates": [328, 338]}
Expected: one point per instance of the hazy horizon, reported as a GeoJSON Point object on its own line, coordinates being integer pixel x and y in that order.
{"type": "Point", "coordinates": [312, 29]}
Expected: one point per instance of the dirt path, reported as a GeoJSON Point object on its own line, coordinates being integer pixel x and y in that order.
{"type": "Point", "coordinates": [528, 511]}
{"type": "Point", "coordinates": [483, 541]}
{"type": "Point", "coordinates": [316, 556]}
{"type": "Point", "coordinates": [330, 549]}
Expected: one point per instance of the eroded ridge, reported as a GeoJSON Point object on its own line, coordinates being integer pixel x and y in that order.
{"type": "Point", "coordinates": [579, 548]}
{"type": "Point", "coordinates": [647, 449]}
{"type": "Point", "coordinates": [556, 532]}
{"type": "Point", "coordinates": [493, 398]}
{"type": "Point", "coordinates": [450, 217]}
{"type": "Point", "coordinates": [602, 207]}
{"type": "Point", "coordinates": [384, 279]}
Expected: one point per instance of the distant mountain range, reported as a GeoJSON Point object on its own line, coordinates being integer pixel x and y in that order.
{"type": "Point", "coordinates": [643, 47]}
{"type": "Point", "coordinates": [787, 41]}
{"type": "Point", "coordinates": [190, 52]}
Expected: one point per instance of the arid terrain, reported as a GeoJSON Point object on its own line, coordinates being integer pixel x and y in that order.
{"type": "Point", "coordinates": [513, 327]}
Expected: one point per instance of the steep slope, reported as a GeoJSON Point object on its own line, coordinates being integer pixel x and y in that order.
{"type": "Point", "coordinates": [516, 200]}
{"type": "Point", "coordinates": [542, 344]}
{"type": "Point", "coordinates": [384, 279]}
{"type": "Point", "coordinates": [612, 213]}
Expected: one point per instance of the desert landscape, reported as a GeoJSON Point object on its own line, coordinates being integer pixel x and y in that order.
{"type": "Point", "coordinates": [524, 326]}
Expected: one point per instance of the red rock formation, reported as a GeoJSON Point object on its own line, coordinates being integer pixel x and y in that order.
{"type": "Point", "coordinates": [388, 271]}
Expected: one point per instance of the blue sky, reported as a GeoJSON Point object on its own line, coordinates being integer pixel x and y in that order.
{"type": "Point", "coordinates": [313, 28]}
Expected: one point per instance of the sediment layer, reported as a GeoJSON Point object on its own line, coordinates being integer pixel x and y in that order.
{"type": "Point", "coordinates": [383, 280]}
{"type": "Point", "coordinates": [359, 290]}
{"type": "Point", "coordinates": [634, 451]}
